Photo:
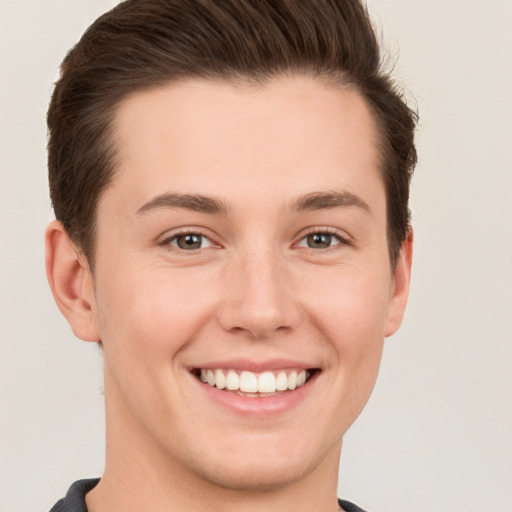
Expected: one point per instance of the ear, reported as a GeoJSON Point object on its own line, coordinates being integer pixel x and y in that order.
{"type": "Point", "coordinates": [400, 286]}
{"type": "Point", "coordinates": [71, 283]}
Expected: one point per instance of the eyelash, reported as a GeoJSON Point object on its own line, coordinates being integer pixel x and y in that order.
{"type": "Point", "coordinates": [341, 241]}
{"type": "Point", "coordinates": [168, 241]}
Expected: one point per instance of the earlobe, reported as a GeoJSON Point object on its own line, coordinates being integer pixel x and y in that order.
{"type": "Point", "coordinates": [71, 283]}
{"type": "Point", "coordinates": [400, 288]}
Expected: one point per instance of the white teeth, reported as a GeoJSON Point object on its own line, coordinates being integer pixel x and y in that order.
{"type": "Point", "coordinates": [281, 381]}
{"type": "Point", "coordinates": [232, 380]}
{"type": "Point", "coordinates": [266, 383]}
{"type": "Point", "coordinates": [292, 380]}
{"type": "Point", "coordinates": [249, 382]}
{"type": "Point", "coordinates": [220, 380]}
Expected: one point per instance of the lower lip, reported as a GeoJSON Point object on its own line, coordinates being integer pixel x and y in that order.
{"type": "Point", "coordinates": [258, 406]}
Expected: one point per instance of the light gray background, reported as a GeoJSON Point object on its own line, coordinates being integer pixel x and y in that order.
{"type": "Point", "coordinates": [437, 433]}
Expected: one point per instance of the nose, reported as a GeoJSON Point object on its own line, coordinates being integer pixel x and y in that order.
{"type": "Point", "coordinates": [259, 300]}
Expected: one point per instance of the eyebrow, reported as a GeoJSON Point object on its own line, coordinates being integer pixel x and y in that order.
{"type": "Point", "coordinates": [204, 204]}
{"type": "Point", "coordinates": [326, 200]}
{"type": "Point", "coordinates": [194, 202]}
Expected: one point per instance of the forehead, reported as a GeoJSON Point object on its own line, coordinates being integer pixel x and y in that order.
{"type": "Point", "coordinates": [286, 137]}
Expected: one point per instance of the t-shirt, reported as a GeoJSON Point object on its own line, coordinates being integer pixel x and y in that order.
{"type": "Point", "coordinates": [74, 501]}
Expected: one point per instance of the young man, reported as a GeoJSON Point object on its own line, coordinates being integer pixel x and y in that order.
{"type": "Point", "coordinates": [230, 180]}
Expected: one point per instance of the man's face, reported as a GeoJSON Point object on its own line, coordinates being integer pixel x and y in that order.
{"type": "Point", "coordinates": [242, 239]}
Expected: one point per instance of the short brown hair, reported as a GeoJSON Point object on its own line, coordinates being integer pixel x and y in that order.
{"type": "Point", "coordinates": [142, 44]}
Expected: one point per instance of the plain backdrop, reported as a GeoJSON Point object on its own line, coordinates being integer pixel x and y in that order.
{"type": "Point", "coordinates": [437, 433]}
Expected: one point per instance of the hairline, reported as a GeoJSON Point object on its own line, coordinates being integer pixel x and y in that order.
{"type": "Point", "coordinates": [340, 80]}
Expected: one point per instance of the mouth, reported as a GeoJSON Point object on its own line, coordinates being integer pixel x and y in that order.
{"type": "Point", "coordinates": [255, 384]}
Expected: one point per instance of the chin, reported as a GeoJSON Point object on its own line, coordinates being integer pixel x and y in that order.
{"type": "Point", "coordinates": [260, 466]}
{"type": "Point", "coordinates": [255, 475]}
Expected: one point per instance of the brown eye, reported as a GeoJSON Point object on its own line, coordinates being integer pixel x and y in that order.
{"type": "Point", "coordinates": [320, 240]}
{"type": "Point", "coordinates": [190, 242]}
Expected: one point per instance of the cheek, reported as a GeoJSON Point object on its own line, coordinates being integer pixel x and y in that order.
{"type": "Point", "coordinates": [352, 318]}
{"type": "Point", "coordinates": [350, 306]}
{"type": "Point", "coordinates": [152, 314]}
{"type": "Point", "coordinates": [351, 314]}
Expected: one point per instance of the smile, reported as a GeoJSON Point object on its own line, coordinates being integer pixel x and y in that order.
{"type": "Point", "coordinates": [254, 383]}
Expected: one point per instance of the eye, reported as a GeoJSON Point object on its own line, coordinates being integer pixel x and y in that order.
{"type": "Point", "coordinates": [321, 240]}
{"type": "Point", "coordinates": [189, 241]}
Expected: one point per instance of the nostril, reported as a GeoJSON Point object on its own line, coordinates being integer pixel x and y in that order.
{"type": "Point", "coordinates": [259, 312]}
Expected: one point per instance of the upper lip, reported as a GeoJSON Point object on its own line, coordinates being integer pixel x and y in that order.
{"type": "Point", "coordinates": [255, 366]}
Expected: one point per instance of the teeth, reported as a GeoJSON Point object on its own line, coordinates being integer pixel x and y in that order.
{"type": "Point", "coordinates": [292, 380]}
{"type": "Point", "coordinates": [281, 381]}
{"type": "Point", "coordinates": [301, 379]}
{"type": "Point", "coordinates": [249, 382]}
{"type": "Point", "coordinates": [267, 383]}
{"type": "Point", "coordinates": [220, 380]}
{"type": "Point", "coordinates": [232, 380]}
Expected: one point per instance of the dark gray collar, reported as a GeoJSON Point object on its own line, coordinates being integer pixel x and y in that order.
{"type": "Point", "coordinates": [74, 501]}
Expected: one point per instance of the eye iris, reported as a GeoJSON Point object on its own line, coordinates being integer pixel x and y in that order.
{"type": "Point", "coordinates": [319, 240]}
{"type": "Point", "coordinates": [189, 242]}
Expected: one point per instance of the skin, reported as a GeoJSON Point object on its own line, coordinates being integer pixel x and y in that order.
{"type": "Point", "coordinates": [255, 291]}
